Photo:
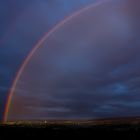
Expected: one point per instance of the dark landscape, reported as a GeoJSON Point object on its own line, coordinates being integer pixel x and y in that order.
{"type": "Point", "coordinates": [127, 126]}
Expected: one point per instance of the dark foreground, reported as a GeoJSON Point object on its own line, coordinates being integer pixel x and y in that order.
{"type": "Point", "coordinates": [125, 126]}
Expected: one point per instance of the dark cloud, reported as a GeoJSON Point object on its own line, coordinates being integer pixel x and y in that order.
{"type": "Point", "coordinates": [23, 23]}
{"type": "Point", "coordinates": [88, 68]}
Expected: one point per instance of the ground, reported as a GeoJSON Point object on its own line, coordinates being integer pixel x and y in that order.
{"type": "Point", "coordinates": [125, 126]}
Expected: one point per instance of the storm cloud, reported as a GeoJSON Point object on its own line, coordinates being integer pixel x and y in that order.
{"type": "Point", "coordinates": [23, 23]}
{"type": "Point", "coordinates": [88, 68]}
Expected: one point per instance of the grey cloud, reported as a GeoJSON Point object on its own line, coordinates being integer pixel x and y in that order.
{"type": "Point", "coordinates": [88, 68]}
{"type": "Point", "coordinates": [23, 23]}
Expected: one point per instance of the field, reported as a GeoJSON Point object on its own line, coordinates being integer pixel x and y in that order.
{"type": "Point", "coordinates": [129, 126]}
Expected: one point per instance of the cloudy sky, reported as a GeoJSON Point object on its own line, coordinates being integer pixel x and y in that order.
{"type": "Point", "coordinates": [22, 24]}
{"type": "Point", "coordinates": [86, 68]}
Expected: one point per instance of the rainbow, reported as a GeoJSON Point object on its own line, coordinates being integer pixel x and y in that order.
{"type": "Point", "coordinates": [38, 45]}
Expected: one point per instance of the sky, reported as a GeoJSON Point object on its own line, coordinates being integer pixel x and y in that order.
{"type": "Point", "coordinates": [22, 24]}
{"type": "Point", "coordinates": [87, 68]}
